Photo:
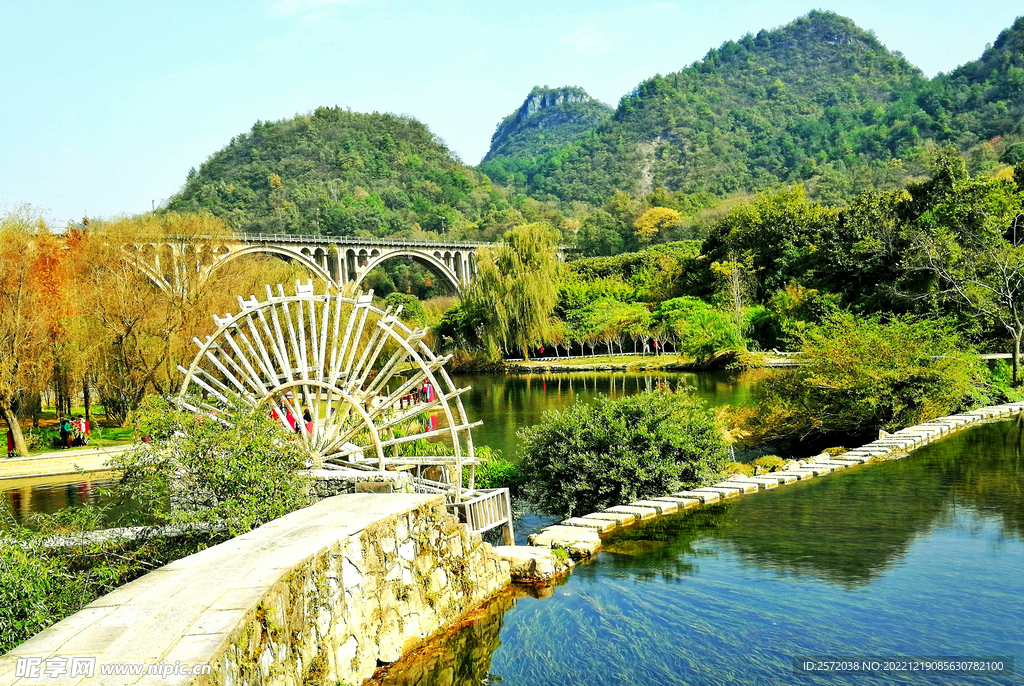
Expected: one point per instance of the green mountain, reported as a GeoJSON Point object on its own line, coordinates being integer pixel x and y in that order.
{"type": "Point", "coordinates": [981, 99]}
{"type": "Point", "coordinates": [818, 99]}
{"type": "Point", "coordinates": [548, 119]}
{"type": "Point", "coordinates": [341, 173]}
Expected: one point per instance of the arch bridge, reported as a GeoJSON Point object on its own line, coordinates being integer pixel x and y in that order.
{"type": "Point", "coordinates": [338, 261]}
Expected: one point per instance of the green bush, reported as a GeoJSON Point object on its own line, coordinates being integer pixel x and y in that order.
{"type": "Point", "coordinates": [40, 584]}
{"type": "Point", "coordinates": [26, 585]}
{"type": "Point", "coordinates": [412, 308]}
{"type": "Point", "coordinates": [859, 375]}
{"type": "Point", "coordinates": [494, 471]}
{"type": "Point", "coordinates": [700, 330]}
{"type": "Point", "coordinates": [739, 468]}
{"type": "Point", "coordinates": [238, 476]}
{"type": "Point", "coordinates": [589, 457]}
{"type": "Point", "coordinates": [241, 474]}
{"type": "Point", "coordinates": [770, 463]}
{"type": "Point", "coordinates": [498, 474]}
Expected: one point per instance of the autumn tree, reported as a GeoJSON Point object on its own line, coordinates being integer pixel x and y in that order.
{"type": "Point", "coordinates": [149, 290]}
{"type": "Point", "coordinates": [22, 321]}
{"type": "Point", "coordinates": [654, 221]}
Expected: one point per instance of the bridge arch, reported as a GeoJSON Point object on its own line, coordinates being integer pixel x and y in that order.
{"type": "Point", "coordinates": [300, 257]}
{"type": "Point", "coordinates": [423, 257]}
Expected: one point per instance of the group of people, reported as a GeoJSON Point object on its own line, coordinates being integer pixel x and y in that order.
{"type": "Point", "coordinates": [73, 432]}
{"type": "Point", "coordinates": [290, 421]}
{"type": "Point", "coordinates": [423, 394]}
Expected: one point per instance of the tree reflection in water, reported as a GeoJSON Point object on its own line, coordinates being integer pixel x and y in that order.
{"type": "Point", "coordinates": [771, 561]}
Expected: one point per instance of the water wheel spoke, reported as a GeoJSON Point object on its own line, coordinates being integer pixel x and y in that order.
{"type": "Point", "coordinates": [337, 371]}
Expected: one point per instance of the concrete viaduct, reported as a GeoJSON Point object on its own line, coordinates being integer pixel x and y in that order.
{"type": "Point", "coordinates": [337, 260]}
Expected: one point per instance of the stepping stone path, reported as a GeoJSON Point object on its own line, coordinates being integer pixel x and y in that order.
{"type": "Point", "coordinates": [581, 536]}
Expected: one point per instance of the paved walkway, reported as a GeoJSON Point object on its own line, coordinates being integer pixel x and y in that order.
{"type": "Point", "coordinates": [59, 462]}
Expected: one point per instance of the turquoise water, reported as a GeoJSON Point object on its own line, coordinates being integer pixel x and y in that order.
{"type": "Point", "coordinates": [918, 557]}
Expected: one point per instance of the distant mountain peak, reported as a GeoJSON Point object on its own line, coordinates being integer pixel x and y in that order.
{"type": "Point", "coordinates": [548, 116]}
{"type": "Point", "coordinates": [544, 97]}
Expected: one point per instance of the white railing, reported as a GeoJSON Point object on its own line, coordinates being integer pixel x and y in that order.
{"type": "Point", "coordinates": [335, 240]}
{"type": "Point", "coordinates": [483, 510]}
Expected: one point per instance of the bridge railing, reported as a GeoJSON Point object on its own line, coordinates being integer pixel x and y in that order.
{"type": "Point", "coordinates": [333, 240]}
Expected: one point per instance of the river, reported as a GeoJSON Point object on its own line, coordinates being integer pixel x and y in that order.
{"type": "Point", "coordinates": [505, 404]}
{"type": "Point", "coordinates": [919, 557]}
{"type": "Point", "coordinates": [916, 557]}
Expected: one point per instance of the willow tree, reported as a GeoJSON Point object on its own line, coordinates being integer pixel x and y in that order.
{"type": "Point", "coordinates": [516, 286]}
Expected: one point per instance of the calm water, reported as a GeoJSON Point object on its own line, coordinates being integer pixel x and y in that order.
{"type": "Point", "coordinates": [504, 403]}
{"type": "Point", "coordinates": [24, 497]}
{"type": "Point", "coordinates": [508, 403]}
{"type": "Point", "coordinates": [917, 557]}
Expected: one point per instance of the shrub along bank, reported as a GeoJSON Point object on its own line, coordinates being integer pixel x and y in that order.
{"type": "Point", "coordinates": [209, 480]}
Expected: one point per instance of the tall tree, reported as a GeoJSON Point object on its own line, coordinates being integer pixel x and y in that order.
{"type": "Point", "coordinates": [22, 324]}
{"type": "Point", "coordinates": [148, 292]}
{"type": "Point", "coordinates": [516, 286]}
{"type": "Point", "coordinates": [972, 238]}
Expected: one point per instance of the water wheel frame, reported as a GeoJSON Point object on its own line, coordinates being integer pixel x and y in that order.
{"type": "Point", "coordinates": [287, 347]}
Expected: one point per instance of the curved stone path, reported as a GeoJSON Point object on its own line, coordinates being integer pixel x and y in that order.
{"type": "Point", "coordinates": [581, 536]}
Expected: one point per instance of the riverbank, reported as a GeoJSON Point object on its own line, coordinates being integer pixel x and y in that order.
{"type": "Point", "coordinates": [89, 459]}
{"type": "Point", "coordinates": [582, 536]}
{"type": "Point", "coordinates": [628, 362]}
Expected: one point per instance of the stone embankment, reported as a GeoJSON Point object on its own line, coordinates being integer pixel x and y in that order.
{"type": "Point", "coordinates": [323, 595]}
{"type": "Point", "coordinates": [581, 536]}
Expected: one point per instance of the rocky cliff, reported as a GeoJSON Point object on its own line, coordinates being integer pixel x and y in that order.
{"type": "Point", "coordinates": [547, 119]}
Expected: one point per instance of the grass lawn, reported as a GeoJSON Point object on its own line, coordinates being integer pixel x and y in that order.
{"type": "Point", "coordinates": [103, 433]}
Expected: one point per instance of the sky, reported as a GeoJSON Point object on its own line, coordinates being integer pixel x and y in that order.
{"type": "Point", "coordinates": [106, 104]}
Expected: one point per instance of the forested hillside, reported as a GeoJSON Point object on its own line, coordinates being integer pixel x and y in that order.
{"type": "Point", "coordinates": [981, 99]}
{"type": "Point", "coordinates": [817, 99]}
{"type": "Point", "coordinates": [819, 102]}
{"type": "Point", "coordinates": [340, 173]}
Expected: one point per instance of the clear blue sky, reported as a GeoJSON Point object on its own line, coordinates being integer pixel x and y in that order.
{"type": "Point", "coordinates": [108, 103]}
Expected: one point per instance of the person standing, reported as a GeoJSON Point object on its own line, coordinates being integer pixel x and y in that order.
{"type": "Point", "coordinates": [66, 433]}
{"type": "Point", "coordinates": [83, 430]}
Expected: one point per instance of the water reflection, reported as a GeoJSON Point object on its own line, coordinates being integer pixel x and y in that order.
{"type": "Point", "coordinates": [510, 402]}
{"type": "Point", "coordinates": [920, 556]}
{"type": "Point", "coordinates": [48, 494]}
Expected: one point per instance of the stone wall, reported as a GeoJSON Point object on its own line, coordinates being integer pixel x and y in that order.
{"type": "Point", "coordinates": [330, 482]}
{"type": "Point", "coordinates": [322, 596]}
